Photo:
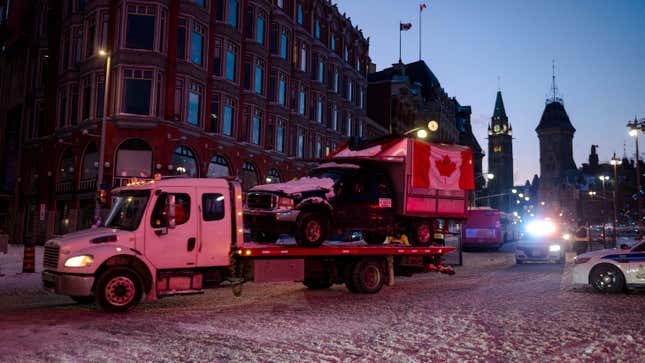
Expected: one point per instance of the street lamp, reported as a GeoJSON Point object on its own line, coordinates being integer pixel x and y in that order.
{"type": "Point", "coordinates": [615, 162]}
{"type": "Point", "coordinates": [633, 131]}
{"type": "Point", "coordinates": [106, 92]}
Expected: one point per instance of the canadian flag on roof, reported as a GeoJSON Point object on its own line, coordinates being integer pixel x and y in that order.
{"type": "Point", "coordinates": [447, 167]}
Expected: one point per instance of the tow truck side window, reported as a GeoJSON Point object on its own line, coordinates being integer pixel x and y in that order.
{"type": "Point", "coordinates": [212, 207]}
{"type": "Point", "coordinates": [182, 210]}
{"type": "Point", "coordinates": [640, 248]}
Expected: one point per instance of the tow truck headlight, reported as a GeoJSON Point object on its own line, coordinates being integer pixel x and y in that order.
{"type": "Point", "coordinates": [79, 261]}
{"type": "Point", "coordinates": [566, 236]}
{"type": "Point", "coordinates": [285, 203]}
{"type": "Point", "coordinates": [554, 248]}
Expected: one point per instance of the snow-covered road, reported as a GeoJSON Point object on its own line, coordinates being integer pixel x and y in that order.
{"type": "Point", "coordinates": [491, 310]}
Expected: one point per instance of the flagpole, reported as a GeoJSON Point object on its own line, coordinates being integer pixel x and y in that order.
{"type": "Point", "coordinates": [420, 10]}
{"type": "Point", "coordinates": [400, 41]}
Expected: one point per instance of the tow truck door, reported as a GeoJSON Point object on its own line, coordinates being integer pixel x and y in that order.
{"type": "Point", "coordinates": [215, 236]}
{"type": "Point", "coordinates": [636, 269]}
{"type": "Point", "coordinates": [173, 248]}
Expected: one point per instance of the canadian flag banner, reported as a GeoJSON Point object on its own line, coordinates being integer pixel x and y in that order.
{"type": "Point", "coordinates": [446, 167]}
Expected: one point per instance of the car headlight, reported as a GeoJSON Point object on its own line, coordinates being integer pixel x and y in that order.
{"type": "Point", "coordinates": [578, 260]}
{"type": "Point", "coordinates": [554, 248]}
{"type": "Point", "coordinates": [285, 203]}
{"type": "Point", "coordinates": [79, 261]}
{"type": "Point", "coordinates": [566, 236]}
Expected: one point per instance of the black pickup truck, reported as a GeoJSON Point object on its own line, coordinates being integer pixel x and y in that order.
{"type": "Point", "coordinates": [331, 199]}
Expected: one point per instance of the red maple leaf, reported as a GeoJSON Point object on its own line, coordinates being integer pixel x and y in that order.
{"type": "Point", "coordinates": [445, 166]}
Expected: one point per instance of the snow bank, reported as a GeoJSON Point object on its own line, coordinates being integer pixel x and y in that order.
{"type": "Point", "coordinates": [298, 186]}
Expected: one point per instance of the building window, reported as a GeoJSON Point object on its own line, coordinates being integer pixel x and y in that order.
{"type": "Point", "coordinates": [349, 125]}
{"type": "Point", "coordinates": [232, 12]}
{"type": "Point", "coordinates": [360, 97]}
{"type": "Point", "coordinates": [321, 71]}
{"type": "Point", "coordinates": [162, 40]}
{"type": "Point", "coordinates": [184, 161]}
{"type": "Point", "coordinates": [73, 107]}
{"type": "Point", "coordinates": [259, 35]}
{"type": "Point", "coordinates": [303, 58]}
{"type": "Point", "coordinates": [137, 84]}
{"type": "Point", "coordinates": [100, 95]}
{"type": "Point", "coordinates": [317, 29]}
{"type": "Point", "coordinates": [319, 113]}
{"type": "Point", "coordinates": [255, 132]}
{"type": "Point", "coordinates": [346, 56]}
{"type": "Point", "coordinates": [181, 39]}
{"type": "Point", "coordinates": [195, 104]}
{"type": "Point", "coordinates": [105, 19]}
{"type": "Point", "coordinates": [213, 126]}
{"type": "Point", "coordinates": [230, 63]}
{"type": "Point", "coordinates": [219, 10]}
{"type": "Point", "coordinates": [229, 114]}
{"type": "Point", "coordinates": [197, 44]}
{"type": "Point", "coordinates": [259, 78]}
{"type": "Point", "coordinates": [247, 73]}
{"type": "Point", "coordinates": [302, 100]}
{"type": "Point", "coordinates": [217, 58]}
{"type": "Point", "coordinates": [140, 32]}
{"type": "Point", "coordinates": [87, 98]}
{"type": "Point", "coordinates": [62, 107]}
{"type": "Point", "coordinates": [218, 167]}
{"type": "Point", "coordinates": [301, 144]}
{"type": "Point", "coordinates": [280, 3]}
{"type": "Point", "coordinates": [273, 176]}
{"type": "Point", "coordinates": [332, 41]}
{"type": "Point", "coordinates": [91, 31]}
{"type": "Point", "coordinates": [78, 42]}
{"type": "Point", "coordinates": [282, 92]}
{"type": "Point", "coordinates": [301, 15]}
{"type": "Point", "coordinates": [279, 137]}
{"type": "Point", "coordinates": [249, 23]}
{"type": "Point", "coordinates": [248, 175]}
{"type": "Point", "coordinates": [336, 79]}
{"type": "Point", "coordinates": [334, 119]}
{"type": "Point", "coordinates": [201, 3]}
{"type": "Point", "coordinates": [284, 45]}
{"type": "Point", "coordinates": [497, 148]}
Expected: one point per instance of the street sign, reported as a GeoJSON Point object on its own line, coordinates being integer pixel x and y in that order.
{"type": "Point", "coordinates": [43, 210]}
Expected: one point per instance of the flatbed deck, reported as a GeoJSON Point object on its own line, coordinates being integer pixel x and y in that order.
{"type": "Point", "coordinates": [254, 249]}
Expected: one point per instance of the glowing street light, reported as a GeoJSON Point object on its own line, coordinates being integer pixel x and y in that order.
{"type": "Point", "coordinates": [527, 199]}
{"type": "Point", "coordinates": [514, 191]}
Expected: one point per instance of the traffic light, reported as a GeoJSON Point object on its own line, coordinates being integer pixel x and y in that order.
{"type": "Point", "coordinates": [100, 196]}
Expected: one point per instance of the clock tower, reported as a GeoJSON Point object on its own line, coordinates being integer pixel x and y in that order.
{"type": "Point", "coordinates": [500, 157]}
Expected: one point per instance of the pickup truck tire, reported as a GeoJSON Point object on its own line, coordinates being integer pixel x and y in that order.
{"type": "Point", "coordinates": [607, 278]}
{"type": "Point", "coordinates": [373, 238]}
{"type": "Point", "coordinates": [318, 284]}
{"type": "Point", "coordinates": [118, 289]}
{"type": "Point", "coordinates": [368, 276]}
{"type": "Point", "coordinates": [85, 300]}
{"type": "Point", "coordinates": [421, 233]}
{"type": "Point", "coordinates": [264, 237]}
{"type": "Point", "coordinates": [311, 230]}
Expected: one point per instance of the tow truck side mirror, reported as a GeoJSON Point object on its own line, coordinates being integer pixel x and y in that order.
{"type": "Point", "coordinates": [170, 211]}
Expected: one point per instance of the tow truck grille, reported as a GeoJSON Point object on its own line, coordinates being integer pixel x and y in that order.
{"type": "Point", "coordinates": [50, 258]}
{"type": "Point", "coordinates": [260, 201]}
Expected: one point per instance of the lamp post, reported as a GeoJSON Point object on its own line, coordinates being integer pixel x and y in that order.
{"type": "Point", "coordinates": [603, 179]}
{"type": "Point", "coordinates": [633, 131]}
{"type": "Point", "coordinates": [615, 162]}
{"type": "Point", "coordinates": [106, 91]}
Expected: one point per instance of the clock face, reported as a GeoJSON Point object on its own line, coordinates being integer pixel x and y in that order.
{"type": "Point", "coordinates": [496, 128]}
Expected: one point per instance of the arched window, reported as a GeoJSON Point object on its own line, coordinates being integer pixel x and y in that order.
{"type": "Point", "coordinates": [89, 168]}
{"type": "Point", "coordinates": [217, 167]}
{"type": "Point", "coordinates": [249, 175]}
{"type": "Point", "coordinates": [66, 167]}
{"type": "Point", "coordinates": [184, 162]}
{"type": "Point", "coordinates": [273, 176]}
{"type": "Point", "coordinates": [133, 159]}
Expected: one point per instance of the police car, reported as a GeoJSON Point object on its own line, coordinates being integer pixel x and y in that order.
{"type": "Point", "coordinates": [611, 270]}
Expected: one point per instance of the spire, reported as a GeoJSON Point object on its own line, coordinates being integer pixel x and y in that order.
{"type": "Point", "coordinates": [554, 89]}
{"type": "Point", "coordinates": [499, 107]}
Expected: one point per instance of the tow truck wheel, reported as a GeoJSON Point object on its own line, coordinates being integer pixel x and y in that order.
{"type": "Point", "coordinates": [422, 233]}
{"type": "Point", "coordinates": [368, 276]}
{"type": "Point", "coordinates": [85, 300]}
{"type": "Point", "coordinates": [607, 278]}
{"type": "Point", "coordinates": [311, 230]}
{"type": "Point", "coordinates": [118, 289]}
{"type": "Point", "coordinates": [317, 284]}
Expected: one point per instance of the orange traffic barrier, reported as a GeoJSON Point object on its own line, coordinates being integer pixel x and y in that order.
{"type": "Point", "coordinates": [29, 259]}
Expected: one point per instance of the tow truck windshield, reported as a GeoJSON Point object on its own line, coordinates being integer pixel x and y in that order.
{"type": "Point", "coordinates": [127, 210]}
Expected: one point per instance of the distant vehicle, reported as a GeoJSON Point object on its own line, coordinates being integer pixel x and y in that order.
{"type": "Point", "coordinates": [482, 229]}
{"type": "Point", "coordinates": [543, 243]}
{"type": "Point", "coordinates": [611, 270]}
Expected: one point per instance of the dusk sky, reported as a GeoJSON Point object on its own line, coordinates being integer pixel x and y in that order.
{"type": "Point", "coordinates": [598, 47]}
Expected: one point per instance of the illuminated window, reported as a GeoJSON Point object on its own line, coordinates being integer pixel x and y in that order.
{"type": "Point", "coordinates": [497, 148]}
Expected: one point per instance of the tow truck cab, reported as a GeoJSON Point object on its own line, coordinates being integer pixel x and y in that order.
{"type": "Point", "coordinates": [161, 237]}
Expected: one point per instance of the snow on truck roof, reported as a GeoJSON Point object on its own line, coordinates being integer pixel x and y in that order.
{"type": "Point", "coordinates": [297, 186]}
{"type": "Point", "coordinates": [337, 165]}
